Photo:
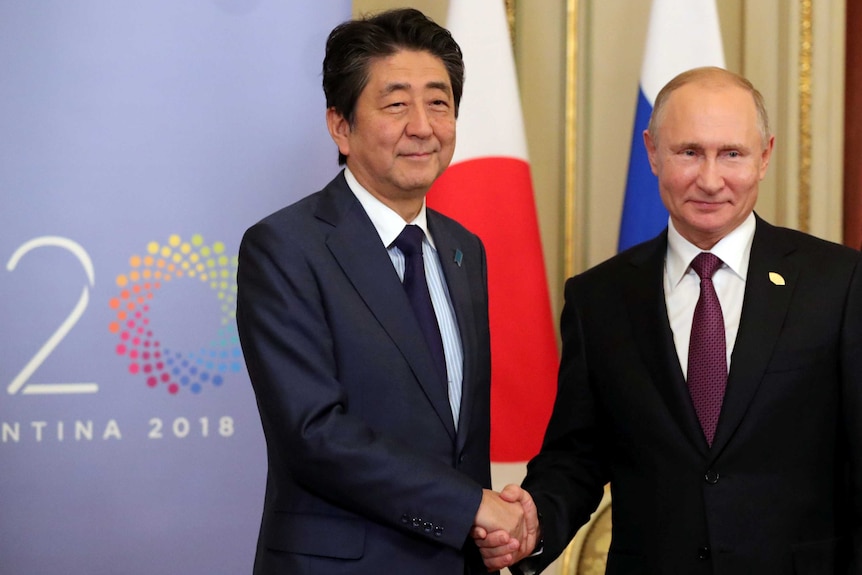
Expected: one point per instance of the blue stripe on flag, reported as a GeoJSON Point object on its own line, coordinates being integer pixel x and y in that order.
{"type": "Point", "coordinates": [644, 215]}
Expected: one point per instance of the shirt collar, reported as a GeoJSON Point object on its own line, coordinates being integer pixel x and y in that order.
{"type": "Point", "coordinates": [386, 221]}
{"type": "Point", "coordinates": [734, 250]}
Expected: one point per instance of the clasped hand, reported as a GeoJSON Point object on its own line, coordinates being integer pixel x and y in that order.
{"type": "Point", "coordinates": [507, 527]}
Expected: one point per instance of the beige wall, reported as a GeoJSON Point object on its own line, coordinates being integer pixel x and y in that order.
{"type": "Point", "coordinates": [434, 9]}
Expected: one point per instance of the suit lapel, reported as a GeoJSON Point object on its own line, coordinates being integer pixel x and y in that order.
{"type": "Point", "coordinates": [452, 260]}
{"type": "Point", "coordinates": [355, 245]}
{"type": "Point", "coordinates": [764, 307]}
{"type": "Point", "coordinates": [654, 337]}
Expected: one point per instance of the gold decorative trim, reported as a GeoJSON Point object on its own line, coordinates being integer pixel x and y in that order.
{"type": "Point", "coordinates": [571, 247]}
{"type": "Point", "coordinates": [510, 18]}
{"type": "Point", "coordinates": [806, 39]}
{"type": "Point", "coordinates": [587, 553]}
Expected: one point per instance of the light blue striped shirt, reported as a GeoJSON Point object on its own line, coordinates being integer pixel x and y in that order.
{"type": "Point", "coordinates": [388, 225]}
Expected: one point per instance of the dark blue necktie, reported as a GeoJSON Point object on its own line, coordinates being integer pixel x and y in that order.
{"type": "Point", "coordinates": [410, 244]}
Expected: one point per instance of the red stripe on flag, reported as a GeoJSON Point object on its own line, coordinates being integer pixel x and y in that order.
{"type": "Point", "coordinates": [493, 197]}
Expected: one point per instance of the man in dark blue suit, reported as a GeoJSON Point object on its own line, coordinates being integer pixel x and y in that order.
{"type": "Point", "coordinates": [377, 418]}
{"type": "Point", "coordinates": [723, 401]}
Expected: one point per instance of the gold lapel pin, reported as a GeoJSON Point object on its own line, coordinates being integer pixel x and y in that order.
{"type": "Point", "coordinates": [776, 278]}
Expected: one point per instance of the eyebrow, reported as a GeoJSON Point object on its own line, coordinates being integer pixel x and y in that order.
{"type": "Point", "coordinates": [699, 146]}
{"type": "Point", "coordinates": [396, 86]}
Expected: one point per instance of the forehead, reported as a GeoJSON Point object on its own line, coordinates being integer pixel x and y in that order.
{"type": "Point", "coordinates": [407, 68]}
{"type": "Point", "coordinates": [711, 108]}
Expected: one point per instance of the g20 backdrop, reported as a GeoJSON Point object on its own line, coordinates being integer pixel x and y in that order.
{"type": "Point", "coordinates": [138, 140]}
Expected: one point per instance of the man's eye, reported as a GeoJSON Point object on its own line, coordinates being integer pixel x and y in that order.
{"type": "Point", "coordinates": [733, 154]}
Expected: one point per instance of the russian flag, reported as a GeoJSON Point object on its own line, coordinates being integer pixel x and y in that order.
{"type": "Point", "coordinates": [488, 188]}
{"type": "Point", "coordinates": [682, 34]}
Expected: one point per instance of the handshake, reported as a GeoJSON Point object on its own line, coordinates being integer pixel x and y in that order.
{"type": "Point", "coordinates": [506, 528]}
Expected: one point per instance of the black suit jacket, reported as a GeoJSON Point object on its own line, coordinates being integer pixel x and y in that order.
{"type": "Point", "coordinates": [779, 491]}
{"type": "Point", "coordinates": [367, 473]}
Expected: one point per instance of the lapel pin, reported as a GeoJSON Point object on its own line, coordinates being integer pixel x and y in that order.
{"type": "Point", "coordinates": [459, 256]}
{"type": "Point", "coordinates": [776, 278]}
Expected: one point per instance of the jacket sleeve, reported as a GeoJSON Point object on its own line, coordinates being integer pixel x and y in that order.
{"type": "Point", "coordinates": [567, 477]}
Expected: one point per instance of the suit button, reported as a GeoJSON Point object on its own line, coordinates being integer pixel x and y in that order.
{"type": "Point", "coordinates": [405, 519]}
{"type": "Point", "coordinates": [427, 527]}
{"type": "Point", "coordinates": [416, 522]}
{"type": "Point", "coordinates": [438, 531]}
{"type": "Point", "coordinates": [703, 553]}
{"type": "Point", "coordinates": [711, 477]}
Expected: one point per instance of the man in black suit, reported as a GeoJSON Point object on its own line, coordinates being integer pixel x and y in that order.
{"type": "Point", "coordinates": [738, 452]}
{"type": "Point", "coordinates": [377, 424]}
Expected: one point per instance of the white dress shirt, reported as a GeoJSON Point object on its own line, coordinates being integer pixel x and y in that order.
{"type": "Point", "coordinates": [389, 225]}
{"type": "Point", "coordinates": [682, 285]}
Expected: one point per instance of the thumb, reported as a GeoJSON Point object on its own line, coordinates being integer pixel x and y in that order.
{"type": "Point", "coordinates": [512, 493]}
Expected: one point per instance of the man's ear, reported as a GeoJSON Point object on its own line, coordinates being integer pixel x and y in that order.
{"type": "Point", "coordinates": [339, 130]}
{"type": "Point", "coordinates": [651, 151]}
{"type": "Point", "coordinates": [765, 155]}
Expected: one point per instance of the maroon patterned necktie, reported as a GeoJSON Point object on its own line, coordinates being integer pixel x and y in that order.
{"type": "Point", "coordinates": [707, 355]}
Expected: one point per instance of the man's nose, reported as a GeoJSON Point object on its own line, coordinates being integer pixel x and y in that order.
{"type": "Point", "coordinates": [418, 123]}
{"type": "Point", "coordinates": [709, 177]}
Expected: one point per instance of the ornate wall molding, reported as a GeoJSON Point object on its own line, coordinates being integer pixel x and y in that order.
{"type": "Point", "coordinates": [806, 41]}
{"type": "Point", "coordinates": [572, 259]}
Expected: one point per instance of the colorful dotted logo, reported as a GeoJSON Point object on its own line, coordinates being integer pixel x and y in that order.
{"type": "Point", "coordinates": [163, 264]}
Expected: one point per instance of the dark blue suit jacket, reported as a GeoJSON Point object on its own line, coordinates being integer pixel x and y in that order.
{"type": "Point", "coordinates": [367, 473]}
{"type": "Point", "coordinates": [780, 491]}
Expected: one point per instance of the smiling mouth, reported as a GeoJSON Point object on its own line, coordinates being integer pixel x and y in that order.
{"type": "Point", "coordinates": [418, 156]}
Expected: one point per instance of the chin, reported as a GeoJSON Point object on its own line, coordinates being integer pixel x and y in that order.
{"type": "Point", "coordinates": [712, 219]}
{"type": "Point", "coordinates": [419, 181]}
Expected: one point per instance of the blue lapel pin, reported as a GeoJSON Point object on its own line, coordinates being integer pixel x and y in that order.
{"type": "Point", "coordinates": [459, 256]}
